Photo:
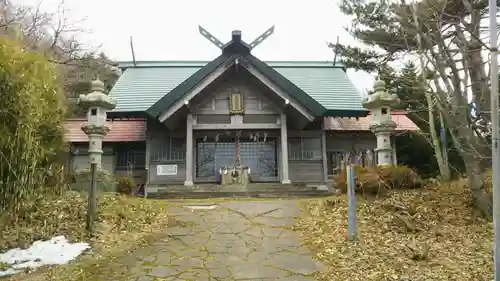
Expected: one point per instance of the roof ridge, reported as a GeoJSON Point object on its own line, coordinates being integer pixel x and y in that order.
{"type": "Point", "coordinates": [190, 61]}
{"type": "Point", "coordinates": [202, 63]}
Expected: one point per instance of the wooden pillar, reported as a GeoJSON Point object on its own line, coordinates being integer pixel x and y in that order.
{"type": "Point", "coordinates": [324, 156]}
{"type": "Point", "coordinates": [148, 161]}
{"type": "Point", "coordinates": [284, 151]}
{"type": "Point", "coordinates": [189, 151]}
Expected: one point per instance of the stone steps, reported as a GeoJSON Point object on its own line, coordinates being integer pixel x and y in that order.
{"type": "Point", "coordinates": [271, 190]}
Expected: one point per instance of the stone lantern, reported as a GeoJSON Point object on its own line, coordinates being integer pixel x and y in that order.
{"type": "Point", "coordinates": [380, 103]}
{"type": "Point", "coordinates": [97, 103]}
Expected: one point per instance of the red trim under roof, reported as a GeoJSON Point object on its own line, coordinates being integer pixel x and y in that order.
{"type": "Point", "coordinates": [363, 124]}
{"type": "Point", "coordinates": [134, 129]}
{"type": "Point", "coordinates": [121, 130]}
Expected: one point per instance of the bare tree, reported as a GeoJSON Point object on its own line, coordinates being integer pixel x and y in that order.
{"type": "Point", "coordinates": [383, 31]}
{"type": "Point", "coordinates": [51, 33]}
{"type": "Point", "coordinates": [55, 34]}
{"type": "Point", "coordinates": [448, 39]}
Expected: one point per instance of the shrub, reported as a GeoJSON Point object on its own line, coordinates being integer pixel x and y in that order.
{"type": "Point", "coordinates": [125, 185]}
{"type": "Point", "coordinates": [32, 136]}
{"type": "Point", "coordinates": [45, 216]}
{"type": "Point", "coordinates": [105, 181]}
{"type": "Point", "coordinates": [380, 179]}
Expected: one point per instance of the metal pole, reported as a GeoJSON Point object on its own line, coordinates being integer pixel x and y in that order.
{"type": "Point", "coordinates": [92, 199]}
{"type": "Point", "coordinates": [351, 205]}
{"type": "Point", "coordinates": [495, 153]}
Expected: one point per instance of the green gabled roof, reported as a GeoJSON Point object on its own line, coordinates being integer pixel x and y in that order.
{"type": "Point", "coordinates": [299, 94]}
{"type": "Point", "coordinates": [182, 88]}
{"type": "Point", "coordinates": [328, 88]}
{"type": "Point", "coordinates": [139, 88]}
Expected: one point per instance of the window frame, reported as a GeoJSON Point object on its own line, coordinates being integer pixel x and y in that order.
{"type": "Point", "coordinates": [127, 154]}
{"type": "Point", "coordinates": [292, 156]}
{"type": "Point", "coordinates": [159, 155]}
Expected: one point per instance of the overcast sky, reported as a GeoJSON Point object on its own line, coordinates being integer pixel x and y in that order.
{"type": "Point", "coordinates": [168, 29]}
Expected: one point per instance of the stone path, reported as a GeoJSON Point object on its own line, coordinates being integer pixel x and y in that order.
{"type": "Point", "coordinates": [239, 240]}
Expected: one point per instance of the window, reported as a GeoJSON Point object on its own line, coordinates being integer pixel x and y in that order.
{"type": "Point", "coordinates": [168, 149]}
{"type": "Point", "coordinates": [131, 159]}
{"type": "Point", "coordinates": [334, 160]}
{"type": "Point", "coordinates": [177, 149]}
{"type": "Point", "coordinates": [294, 149]}
{"type": "Point", "coordinates": [365, 158]}
{"type": "Point", "coordinates": [304, 149]}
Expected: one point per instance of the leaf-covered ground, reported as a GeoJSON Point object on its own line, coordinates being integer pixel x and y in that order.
{"type": "Point", "coordinates": [124, 222]}
{"type": "Point", "coordinates": [412, 235]}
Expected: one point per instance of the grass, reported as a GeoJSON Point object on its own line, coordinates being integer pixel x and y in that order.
{"type": "Point", "coordinates": [421, 234]}
{"type": "Point", "coordinates": [124, 223]}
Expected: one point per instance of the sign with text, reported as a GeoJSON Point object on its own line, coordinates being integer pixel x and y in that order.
{"type": "Point", "coordinates": [166, 170]}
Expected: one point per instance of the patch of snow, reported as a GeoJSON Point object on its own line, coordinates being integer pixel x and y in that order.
{"type": "Point", "coordinates": [50, 252]}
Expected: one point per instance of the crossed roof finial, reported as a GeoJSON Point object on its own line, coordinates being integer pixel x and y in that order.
{"type": "Point", "coordinates": [214, 40]}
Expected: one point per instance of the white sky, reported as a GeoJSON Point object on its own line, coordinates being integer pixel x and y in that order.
{"type": "Point", "coordinates": [168, 29]}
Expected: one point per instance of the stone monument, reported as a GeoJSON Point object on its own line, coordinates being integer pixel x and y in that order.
{"type": "Point", "coordinates": [380, 103]}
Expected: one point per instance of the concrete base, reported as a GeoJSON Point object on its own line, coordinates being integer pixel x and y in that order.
{"type": "Point", "coordinates": [286, 182]}
{"type": "Point", "coordinates": [188, 183]}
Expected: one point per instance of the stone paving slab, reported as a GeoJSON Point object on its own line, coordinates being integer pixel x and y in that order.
{"type": "Point", "coordinates": [239, 240]}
